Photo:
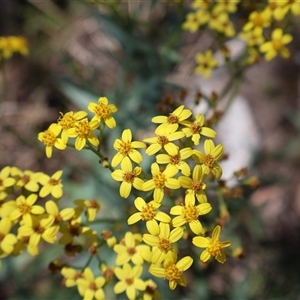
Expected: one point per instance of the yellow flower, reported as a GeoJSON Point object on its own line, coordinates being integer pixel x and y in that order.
{"type": "Point", "coordinates": [189, 213]}
{"type": "Point", "coordinates": [25, 207]}
{"type": "Point", "coordinates": [29, 180]}
{"type": "Point", "coordinates": [7, 239]}
{"type": "Point", "coordinates": [206, 62]}
{"type": "Point", "coordinates": [195, 187]}
{"type": "Point", "coordinates": [258, 19]}
{"type": "Point", "coordinates": [5, 181]}
{"type": "Point", "coordinates": [194, 20]}
{"type": "Point", "coordinates": [209, 159]}
{"type": "Point", "coordinates": [19, 44]}
{"type": "Point", "coordinates": [90, 287]}
{"type": "Point", "coordinates": [160, 180]}
{"type": "Point", "coordinates": [129, 280]}
{"type": "Point", "coordinates": [228, 6]}
{"type": "Point", "coordinates": [128, 177]}
{"type": "Point", "coordinates": [177, 160]}
{"type": "Point", "coordinates": [174, 119]}
{"type": "Point", "coordinates": [51, 185]}
{"type": "Point", "coordinates": [83, 131]}
{"type": "Point", "coordinates": [92, 208]}
{"type": "Point", "coordinates": [253, 37]}
{"type": "Point", "coordinates": [173, 271]}
{"type": "Point", "coordinates": [38, 228]}
{"type": "Point", "coordinates": [163, 140]}
{"type": "Point", "coordinates": [6, 47]}
{"type": "Point", "coordinates": [126, 147]}
{"type": "Point", "coordinates": [50, 139]}
{"type": "Point", "coordinates": [103, 111]}
{"type": "Point", "coordinates": [276, 45]}
{"type": "Point", "coordinates": [214, 247]}
{"type": "Point", "coordinates": [70, 276]}
{"type": "Point", "coordinates": [130, 250]}
{"type": "Point", "coordinates": [68, 120]}
{"type": "Point", "coordinates": [196, 128]}
{"type": "Point", "coordinates": [151, 292]}
{"type": "Point", "coordinates": [148, 212]}
{"type": "Point", "coordinates": [162, 240]}
{"type": "Point", "coordinates": [58, 216]}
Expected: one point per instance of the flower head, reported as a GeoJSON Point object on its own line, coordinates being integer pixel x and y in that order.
{"type": "Point", "coordinates": [103, 111]}
{"type": "Point", "coordinates": [129, 280]}
{"type": "Point", "coordinates": [126, 147]}
{"type": "Point", "coordinates": [51, 185]}
{"type": "Point", "coordinates": [50, 139]}
{"type": "Point", "coordinates": [209, 159]}
{"type": "Point", "coordinates": [172, 270]}
{"type": "Point", "coordinates": [214, 247]}
{"type": "Point", "coordinates": [128, 177]}
{"type": "Point", "coordinates": [206, 62]}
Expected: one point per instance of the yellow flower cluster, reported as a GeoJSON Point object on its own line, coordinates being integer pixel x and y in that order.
{"type": "Point", "coordinates": [263, 32]}
{"type": "Point", "coordinates": [12, 44]}
{"type": "Point", "coordinates": [170, 200]}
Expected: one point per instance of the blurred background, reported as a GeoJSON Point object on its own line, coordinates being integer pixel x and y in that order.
{"type": "Point", "coordinates": [136, 54]}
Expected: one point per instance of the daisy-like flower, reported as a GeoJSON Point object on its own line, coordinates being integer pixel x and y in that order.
{"type": "Point", "coordinates": [209, 159]}
{"type": "Point", "coordinates": [258, 19]}
{"type": "Point", "coordinates": [103, 111]}
{"type": "Point", "coordinates": [196, 129]}
{"type": "Point", "coordinates": [51, 185]}
{"type": "Point", "coordinates": [68, 120]}
{"type": "Point", "coordinates": [194, 21]}
{"type": "Point", "coordinates": [214, 247]}
{"type": "Point", "coordinates": [92, 207]}
{"type": "Point", "coordinates": [163, 140]}
{"type": "Point", "coordinates": [126, 147]}
{"type": "Point", "coordinates": [276, 45]}
{"type": "Point", "coordinates": [189, 213]}
{"type": "Point", "coordinates": [6, 181]}
{"type": "Point", "coordinates": [50, 139]}
{"type": "Point", "coordinates": [58, 216]}
{"type": "Point", "coordinates": [83, 132]}
{"type": "Point", "coordinates": [174, 119]}
{"type": "Point", "coordinates": [70, 276]}
{"type": "Point", "coordinates": [151, 292]}
{"type": "Point", "coordinates": [7, 239]}
{"type": "Point", "coordinates": [129, 280]}
{"type": "Point", "coordinates": [148, 212]}
{"type": "Point", "coordinates": [177, 160]}
{"type": "Point", "coordinates": [160, 180]}
{"type": "Point", "coordinates": [195, 186]}
{"type": "Point", "coordinates": [162, 240]}
{"type": "Point", "coordinates": [254, 37]}
{"type": "Point", "coordinates": [27, 179]}
{"type": "Point", "coordinates": [38, 228]}
{"type": "Point", "coordinates": [25, 207]}
{"type": "Point", "coordinates": [128, 177]}
{"type": "Point", "coordinates": [172, 270]}
{"type": "Point", "coordinates": [90, 287]}
{"type": "Point", "coordinates": [130, 250]}
{"type": "Point", "coordinates": [206, 62]}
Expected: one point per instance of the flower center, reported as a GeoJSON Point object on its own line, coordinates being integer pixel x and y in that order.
{"type": "Point", "coordinates": [83, 128]}
{"type": "Point", "coordinates": [173, 273]}
{"type": "Point", "coordinates": [190, 213]}
{"type": "Point", "coordinates": [39, 229]}
{"type": "Point", "coordinates": [49, 138]}
{"type": "Point", "coordinates": [196, 128]}
{"type": "Point", "coordinates": [164, 245]}
{"type": "Point", "coordinates": [131, 251]}
{"type": "Point", "coordinates": [53, 181]}
{"type": "Point", "coordinates": [148, 212]}
{"type": "Point", "coordinates": [66, 121]}
{"type": "Point", "coordinates": [258, 20]}
{"type": "Point", "coordinates": [175, 160]}
{"type": "Point", "coordinates": [25, 179]}
{"type": "Point", "coordinates": [196, 186]}
{"type": "Point", "coordinates": [102, 111]}
{"type": "Point", "coordinates": [215, 248]}
{"type": "Point", "coordinates": [129, 177]}
{"type": "Point", "coordinates": [92, 286]}
{"type": "Point", "coordinates": [159, 180]}
{"type": "Point", "coordinates": [24, 208]}
{"type": "Point", "coordinates": [172, 119]}
{"type": "Point", "coordinates": [209, 161]}
{"type": "Point", "coordinates": [129, 281]}
{"type": "Point", "coordinates": [162, 140]}
{"type": "Point", "coordinates": [277, 44]}
{"type": "Point", "coordinates": [125, 148]}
